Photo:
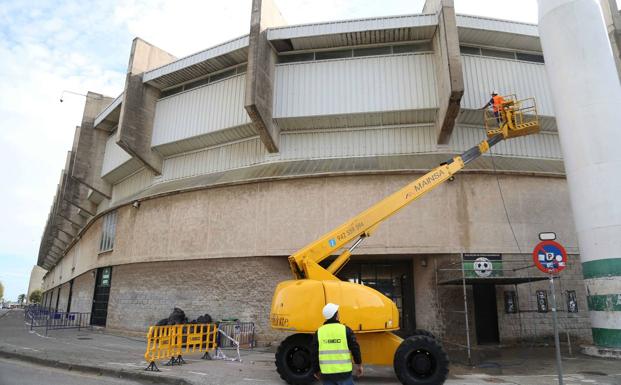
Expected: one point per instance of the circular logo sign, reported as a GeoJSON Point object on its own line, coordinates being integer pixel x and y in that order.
{"type": "Point", "coordinates": [550, 257]}
{"type": "Point", "coordinates": [483, 267]}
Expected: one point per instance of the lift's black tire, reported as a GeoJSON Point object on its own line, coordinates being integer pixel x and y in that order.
{"type": "Point", "coordinates": [293, 360]}
{"type": "Point", "coordinates": [420, 360]}
{"type": "Point", "coordinates": [423, 332]}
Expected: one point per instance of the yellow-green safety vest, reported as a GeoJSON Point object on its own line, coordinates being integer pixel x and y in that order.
{"type": "Point", "coordinates": [334, 355]}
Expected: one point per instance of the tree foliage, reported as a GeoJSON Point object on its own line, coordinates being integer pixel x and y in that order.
{"type": "Point", "coordinates": [35, 296]}
{"type": "Point", "coordinates": [1, 290]}
{"type": "Point", "coordinates": [21, 298]}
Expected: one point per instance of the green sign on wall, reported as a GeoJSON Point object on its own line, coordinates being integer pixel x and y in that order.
{"type": "Point", "coordinates": [482, 265]}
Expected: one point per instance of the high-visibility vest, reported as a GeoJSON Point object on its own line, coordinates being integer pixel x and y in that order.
{"type": "Point", "coordinates": [334, 355]}
{"type": "Point", "coordinates": [498, 100]}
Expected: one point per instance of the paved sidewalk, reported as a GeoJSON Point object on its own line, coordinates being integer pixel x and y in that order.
{"type": "Point", "coordinates": [120, 356]}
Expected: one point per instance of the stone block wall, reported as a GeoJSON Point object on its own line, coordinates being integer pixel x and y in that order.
{"type": "Point", "coordinates": [143, 293]}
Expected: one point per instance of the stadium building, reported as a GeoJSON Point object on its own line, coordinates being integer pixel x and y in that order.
{"type": "Point", "coordinates": [191, 187]}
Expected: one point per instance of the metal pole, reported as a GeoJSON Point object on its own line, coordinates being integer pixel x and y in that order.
{"type": "Point", "coordinates": [463, 281]}
{"type": "Point", "coordinates": [556, 341]}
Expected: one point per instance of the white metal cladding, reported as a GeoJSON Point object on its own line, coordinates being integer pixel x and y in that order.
{"type": "Point", "coordinates": [482, 75]}
{"type": "Point", "coordinates": [138, 181]}
{"type": "Point", "coordinates": [496, 25]}
{"type": "Point", "coordinates": [116, 103]}
{"type": "Point", "coordinates": [355, 143]}
{"type": "Point", "coordinates": [200, 111]}
{"type": "Point", "coordinates": [114, 156]}
{"type": "Point", "coordinates": [215, 159]}
{"type": "Point", "coordinates": [382, 83]}
{"type": "Point", "coordinates": [326, 144]}
{"type": "Point", "coordinates": [350, 26]}
{"type": "Point", "coordinates": [209, 53]}
{"type": "Point", "coordinates": [498, 33]}
{"type": "Point", "coordinates": [544, 145]}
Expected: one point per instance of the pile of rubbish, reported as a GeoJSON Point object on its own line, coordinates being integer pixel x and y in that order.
{"type": "Point", "coordinates": [178, 317]}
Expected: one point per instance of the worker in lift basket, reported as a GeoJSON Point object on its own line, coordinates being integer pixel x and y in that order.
{"type": "Point", "coordinates": [496, 102]}
{"type": "Point", "coordinates": [334, 345]}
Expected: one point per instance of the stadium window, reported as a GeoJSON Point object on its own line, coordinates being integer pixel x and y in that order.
{"type": "Point", "coordinates": [417, 47]}
{"type": "Point", "coordinates": [171, 91]}
{"type": "Point", "coordinates": [222, 75]}
{"type": "Point", "coordinates": [373, 51]}
{"type": "Point", "coordinates": [108, 232]}
{"type": "Point", "coordinates": [307, 56]}
{"type": "Point", "coordinates": [466, 50]}
{"type": "Point", "coordinates": [498, 53]}
{"type": "Point", "coordinates": [340, 54]}
{"type": "Point", "coordinates": [196, 83]}
{"type": "Point", "coordinates": [529, 57]}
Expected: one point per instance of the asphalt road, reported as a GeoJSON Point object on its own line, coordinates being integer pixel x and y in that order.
{"type": "Point", "coordinates": [13, 372]}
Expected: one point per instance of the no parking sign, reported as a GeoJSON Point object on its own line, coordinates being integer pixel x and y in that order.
{"type": "Point", "coordinates": [550, 257]}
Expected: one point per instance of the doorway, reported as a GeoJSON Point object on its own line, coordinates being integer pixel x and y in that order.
{"type": "Point", "coordinates": [99, 313]}
{"type": "Point", "coordinates": [70, 295]}
{"type": "Point", "coordinates": [485, 313]}
{"type": "Point", "coordinates": [391, 278]}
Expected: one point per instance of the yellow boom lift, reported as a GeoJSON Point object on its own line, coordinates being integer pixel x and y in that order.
{"type": "Point", "coordinates": [297, 304]}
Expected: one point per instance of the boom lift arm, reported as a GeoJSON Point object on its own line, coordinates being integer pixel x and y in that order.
{"type": "Point", "coordinates": [305, 263]}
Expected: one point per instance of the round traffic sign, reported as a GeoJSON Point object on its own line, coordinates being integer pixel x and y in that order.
{"type": "Point", "coordinates": [550, 257]}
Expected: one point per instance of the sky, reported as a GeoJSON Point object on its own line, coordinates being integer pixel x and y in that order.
{"type": "Point", "coordinates": [47, 47]}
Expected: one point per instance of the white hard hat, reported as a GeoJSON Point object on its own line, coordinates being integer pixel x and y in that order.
{"type": "Point", "coordinates": [494, 92]}
{"type": "Point", "coordinates": [330, 310]}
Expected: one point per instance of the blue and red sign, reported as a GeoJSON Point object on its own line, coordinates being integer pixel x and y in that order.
{"type": "Point", "coordinates": [550, 257]}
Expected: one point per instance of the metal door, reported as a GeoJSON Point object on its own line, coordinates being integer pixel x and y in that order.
{"type": "Point", "coordinates": [99, 313]}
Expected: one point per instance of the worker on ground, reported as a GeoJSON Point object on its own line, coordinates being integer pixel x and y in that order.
{"type": "Point", "coordinates": [496, 102]}
{"type": "Point", "coordinates": [334, 345]}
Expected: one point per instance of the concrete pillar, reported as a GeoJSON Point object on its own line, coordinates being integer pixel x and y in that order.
{"type": "Point", "coordinates": [66, 228]}
{"type": "Point", "coordinates": [260, 73]}
{"type": "Point", "coordinates": [139, 101]}
{"type": "Point", "coordinates": [449, 74]}
{"type": "Point", "coordinates": [587, 100]}
{"type": "Point", "coordinates": [75, 192]}
{"type": "Point", "coordinates": [91, 145]}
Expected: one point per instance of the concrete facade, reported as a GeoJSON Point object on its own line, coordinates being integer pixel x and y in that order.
{"type": "Point", "coordinates": [260, 78]}
{"type": "Point", "coordinates": [138, 108]}
{"type": "Point", "coordinates": [449, 70]}
{"type": "Point", "coordinates": [206, 219]}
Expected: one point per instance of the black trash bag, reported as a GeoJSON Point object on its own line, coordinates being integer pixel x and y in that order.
{"type": "Point", "coordinates": [177, 317]}
{"type": "Point", "coordinates": [162, 322]}
{"type": "Point", "coordinates": [204, 319]}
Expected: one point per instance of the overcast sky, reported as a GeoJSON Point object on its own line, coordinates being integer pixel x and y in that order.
{"type": "Point", "coordinates": [50, 46]}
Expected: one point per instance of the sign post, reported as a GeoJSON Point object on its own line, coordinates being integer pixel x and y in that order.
{"type": "Point", "coordinates": [551, 258]}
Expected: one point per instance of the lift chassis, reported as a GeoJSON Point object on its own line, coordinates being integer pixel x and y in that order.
{"type": "Point", "coordinates": [296, 305]}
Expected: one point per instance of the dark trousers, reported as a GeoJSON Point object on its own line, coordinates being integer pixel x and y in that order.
{"type": "Point", "coordinates": [347, 381]}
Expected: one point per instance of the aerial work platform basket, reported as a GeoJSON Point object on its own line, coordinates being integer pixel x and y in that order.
{"type": "Point", "coordinates": [514, 118]}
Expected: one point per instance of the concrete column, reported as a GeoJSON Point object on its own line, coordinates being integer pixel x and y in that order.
{"type": "Point", "coordinates": [613, 26]}
{"type": "Point", "coordinates": [449, 74]}
{"type": "Point", "coordinates": [75, 192]}
{"type": "Point", "coordinates": [587, 100]}
{"type": "Point", "coordinates": [260, 73]}
{"type": "Point", "coordinates": [91, 145]}
{"type": "Point", "coordinates": [139, 101]}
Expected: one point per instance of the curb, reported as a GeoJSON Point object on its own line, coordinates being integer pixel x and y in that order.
{"type": "Point", "coordinates": [98, 370]}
